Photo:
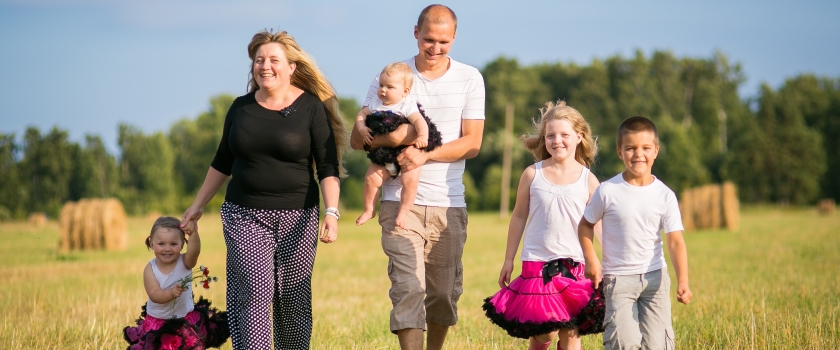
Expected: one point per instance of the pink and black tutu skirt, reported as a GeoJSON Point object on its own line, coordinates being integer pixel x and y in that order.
{"type": "Point", "coordinates": [204, 327]}
{"type": "Point", "coordinates": [528, 307]}
{"type": "Point", "coordinates": [385, 122]}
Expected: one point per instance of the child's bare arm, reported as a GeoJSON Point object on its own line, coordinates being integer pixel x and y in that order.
{"type": "Point", "coordinates": [153, 290]}
{"type": "Point", "coordinates": [421, 128]}
{"type": "Point", "coordinates": [361, 129]}
{"type": "Point", "coordinates": [679, 257]}
{"type": "Point", "coordinates": [193, 247]}
{"type": "Point", "coordinates": [517, 224]}
{"type": "Point", "coordinates": [586, 230]}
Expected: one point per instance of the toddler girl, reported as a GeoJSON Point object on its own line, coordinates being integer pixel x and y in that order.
{"type": "Point", "coordinates": [169, 319]}
{"type": "Point", "coordinates": [551, 298]}
{"type": "Point", "coordinates": [392, 109]}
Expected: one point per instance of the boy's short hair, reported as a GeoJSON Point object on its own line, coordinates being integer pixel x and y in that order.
{"type": "Point", "coordinates": [400, 70]}
{"type": "Point", "coordinates": [633, 125]}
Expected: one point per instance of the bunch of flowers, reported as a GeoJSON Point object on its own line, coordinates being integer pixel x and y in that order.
{"type": "Point", "coordinates": [199, 275]}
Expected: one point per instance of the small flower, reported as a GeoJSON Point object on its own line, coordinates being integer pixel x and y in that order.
{"type": "Point", "coordinates": [206, 271]}
{"type": "Point", "coordinates": [206, 284]}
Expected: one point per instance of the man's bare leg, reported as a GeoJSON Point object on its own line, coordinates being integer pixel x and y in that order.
{"type": "Point", "coordinates": [437, 335]}
{"type": "Point", "coordinates": [410, 338]}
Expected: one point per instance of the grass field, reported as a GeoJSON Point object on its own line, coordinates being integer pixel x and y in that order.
{"type": "Point", "coordinates": [773, 285]}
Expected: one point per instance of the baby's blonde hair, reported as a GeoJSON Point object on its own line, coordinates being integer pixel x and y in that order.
{"type": "Point", "coordinates": [400, 70]}
{"type": "Point", "coordinates": [535, 143]}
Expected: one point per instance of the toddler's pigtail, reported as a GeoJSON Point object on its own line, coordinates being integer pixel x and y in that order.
{"type": "Point", "coordinates": [149, 242]}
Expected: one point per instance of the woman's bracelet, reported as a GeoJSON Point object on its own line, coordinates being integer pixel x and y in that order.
{"type": "Point", "coordinates": [332, 212]}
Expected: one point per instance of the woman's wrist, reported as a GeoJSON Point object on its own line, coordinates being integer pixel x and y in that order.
{"type": "Point", "coordinates": [332, 211]}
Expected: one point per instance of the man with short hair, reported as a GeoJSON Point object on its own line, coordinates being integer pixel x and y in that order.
{"type": "Point", "coordinates": [424, 260]}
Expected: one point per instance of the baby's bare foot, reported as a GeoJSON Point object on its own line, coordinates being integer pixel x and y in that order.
{"type": "Point", "coordinates": [367, 215]}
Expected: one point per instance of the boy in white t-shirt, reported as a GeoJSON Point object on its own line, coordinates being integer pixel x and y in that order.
{"type": "Point", "coordinates": [634, 207]}
{"type": "Point", "coordinates": [395, 82]}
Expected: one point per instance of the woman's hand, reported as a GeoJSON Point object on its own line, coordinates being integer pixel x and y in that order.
{"type": "Point", "coordinates": [504, 275]}
{"type": "Point", "coordinates": [329, 229]}
{"type": "Point", "coordinates": [193, 213]}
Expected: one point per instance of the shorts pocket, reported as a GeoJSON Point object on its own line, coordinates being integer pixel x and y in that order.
{"type": "Point", "coordinates": [609, 285]}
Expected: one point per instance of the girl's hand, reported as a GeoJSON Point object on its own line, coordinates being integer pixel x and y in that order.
{"type": "Point", "coordinates": [593, 272]}
{"type": "Point", "coordinates": [504, 275]}
{"type": "Point", "coordinates": [190, 228]}
{"type": "Point", "coordinates": [176, 291]}
{"type": "Point", "coordinates": [329, 229]}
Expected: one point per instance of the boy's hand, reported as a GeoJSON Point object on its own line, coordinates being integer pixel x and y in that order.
{"type": "Point", "coordinates": [593, 272]}
{"type": "Point", "coordinates": [364, 132]}
{"type": "Point", "coordinates": [683, 293]}
{"type": "Point", "coordinates": [504, 274]}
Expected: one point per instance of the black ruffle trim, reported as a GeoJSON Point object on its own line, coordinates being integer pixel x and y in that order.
{"type": "Point", "coordinates": [590, 320]}
{"type": "Point", "coordinates": [384, 122]}
{"type": "Point", "coordinates": [212, 329]}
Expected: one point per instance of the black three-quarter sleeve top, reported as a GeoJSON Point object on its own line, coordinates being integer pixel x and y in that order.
{"type": "Point", "coordinates": [269, 153]}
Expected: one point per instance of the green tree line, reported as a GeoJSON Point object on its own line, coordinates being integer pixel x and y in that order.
{"type": "Point", "coordinates": [782, 146]}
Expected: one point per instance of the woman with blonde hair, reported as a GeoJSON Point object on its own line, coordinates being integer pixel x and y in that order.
{"type": "Point", "coordinates": [277, 138]}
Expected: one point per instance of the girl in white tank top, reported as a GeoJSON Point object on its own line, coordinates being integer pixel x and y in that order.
{"type": "Point", "coordinates": [170, 318]}
{"type": "Point", "coordinates": [551, 298]}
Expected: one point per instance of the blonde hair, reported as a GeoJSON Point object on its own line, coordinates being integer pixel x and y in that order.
{"type": "Point", "coordinates": [535, 143]}
{"type": "Point", "coordinates": [309, 78]}
{"type": "Point", "coordinates": [165, 222]}
{"type": "Point", "coordinates": [400, 70]}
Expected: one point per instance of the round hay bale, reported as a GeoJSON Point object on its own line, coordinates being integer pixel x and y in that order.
{"type": "Point", "coordinates": [37, 219]}
{"type": "Point", "coordinates": [93, 224]}
{"type": "Point", "coordinates": [114, 225]}
{"type": "Point", "coordinates": [731, 210]}
{"type": "Point", "coordinates": [687, 210]}
{"type": "Point", "coordinates": [77, 232]}
{"type": "Point", "coordinates": [714, 206]}
{"type": "Point", "coordinates": [826, 206]}
{"type": "Point", "coordinates": [65, 226]}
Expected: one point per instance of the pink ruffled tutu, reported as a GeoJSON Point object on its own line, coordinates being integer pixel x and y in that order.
{"type": "Point", "coordinates": [204, 327]}
{"type": "Point", "coordinates": [529, 307]}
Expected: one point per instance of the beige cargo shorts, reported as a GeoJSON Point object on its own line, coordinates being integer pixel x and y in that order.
{"type": "Point", "coordinates": [424, 264]}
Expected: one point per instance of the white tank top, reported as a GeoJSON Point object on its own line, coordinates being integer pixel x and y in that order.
{"type": "Point", "coordinates": [553, 218]}
{"type": "Point", "coordinates": [175, 308]}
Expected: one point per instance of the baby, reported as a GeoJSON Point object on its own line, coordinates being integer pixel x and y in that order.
{"type": "Point", "coordinates": [394, 85]}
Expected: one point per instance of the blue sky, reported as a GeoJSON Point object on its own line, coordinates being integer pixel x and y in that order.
{"type": "Point", "coordinates": [88, 65]}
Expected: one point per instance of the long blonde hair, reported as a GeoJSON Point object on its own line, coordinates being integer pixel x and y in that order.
{"type": "Point", "coordinates": [535, 143]}
{"type": "Point", "coordinates": [309, 78]}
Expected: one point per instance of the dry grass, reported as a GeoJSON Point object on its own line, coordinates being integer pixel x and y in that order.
{"type": "Point", "coordinates": [770, 286]}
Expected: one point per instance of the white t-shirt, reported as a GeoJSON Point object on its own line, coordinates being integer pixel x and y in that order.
{"type": "Point", "coordinates": [404, 107]}
{"type": "Point", "coordinates": [447, 100]}
{"type": "Point", "coordinates": [175, 308]}
{"type": "Point", "coordinates": [554, 212]}
{"type": "Point", "coordinates": [632, 217]}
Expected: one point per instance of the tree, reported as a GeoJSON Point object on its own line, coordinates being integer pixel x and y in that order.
{"type": "Point", "coordinates": [146, 167]}
{"type": "Point", "coordinates": [13, 194]}
{"type": "Point", "coordinates": [47, 167]}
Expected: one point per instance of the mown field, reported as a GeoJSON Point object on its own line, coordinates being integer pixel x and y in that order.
{"type": "Point", "coordinates": [773, 285]}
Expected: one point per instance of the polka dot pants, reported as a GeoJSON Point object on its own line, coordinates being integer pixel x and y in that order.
{"type": "Point", "coordinates": [270, 254]}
